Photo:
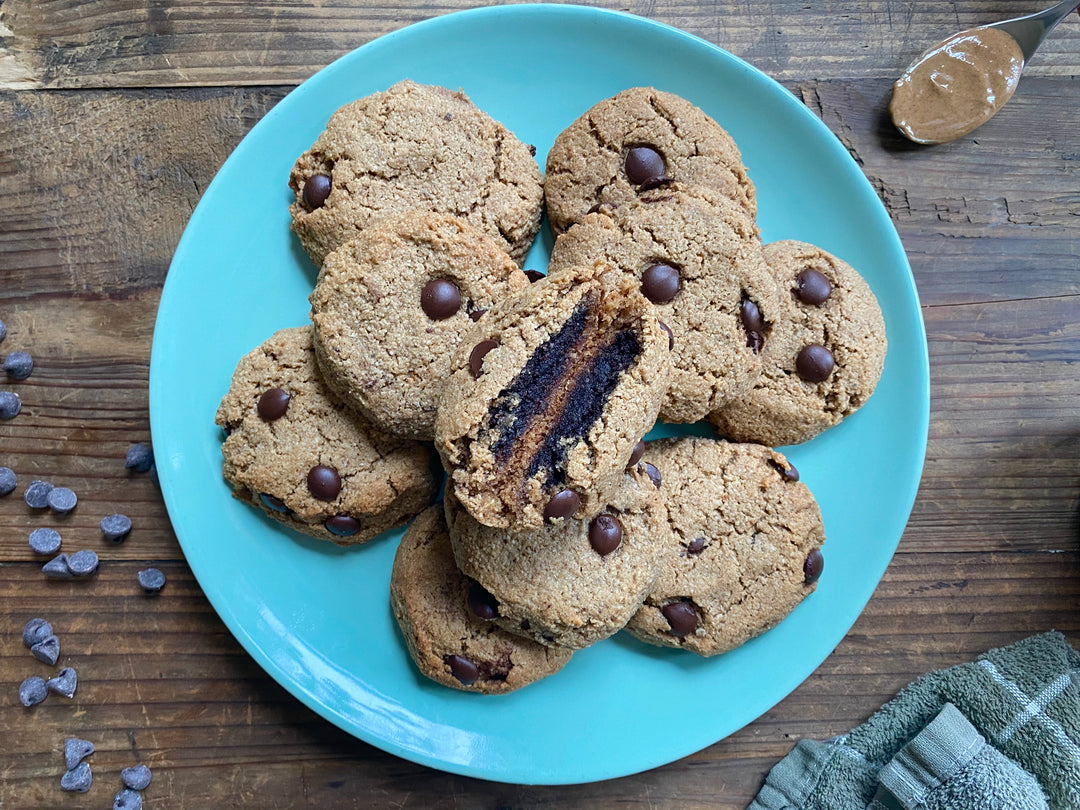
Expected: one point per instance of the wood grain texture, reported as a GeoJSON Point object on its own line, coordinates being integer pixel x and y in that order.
{"type": "Point", "coordinates": [118, 43]}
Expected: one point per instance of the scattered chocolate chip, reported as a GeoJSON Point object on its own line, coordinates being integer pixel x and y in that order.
{"type": "Point", "coordinates": [8, 481]}
{"type": "Point", "coordinates": [660, 283]}
{"type": "Point", "coordinates": [115, 528]}
{"type": "Point", "coordinates": [75, 751]}
{"type": "Point", "coordinates": [440, 299]}
{"type": "Point", "coordinates": [32, 691]}
{"type": "Point", "coordinates": [532, 151]}
{"type": "Point", "coordinates": [477, 314]}
{"type": "Point", "coordinates": [83, 563]}
{"type": "Point", "coordinates": [476, 357]}
{"type": "Point", "coordinates": [137, 777]}
{"type": "Point", "coordinates": [605, 534]}
{"type": "Point", "coordinates": [482, 603]}
{"type": "Point", "coordinates": [10, 404]}
{"type": "Point", "coordinates": [64, 684]}
{"type": "Point", "coordinates": [77, 779]}
{"type": "Point", "coordinates": [35, 631]}
{"type": "Point", "coordinates": [463, 669]}
{"type": "Point", "coordinates": [814, 565]}
{"type": "Point", "coordinates": [37, 494]}
{"type": "Point", "coordinates": [812, 287]}
{"type": "Point", "coordinates": [636, 453]}
{"type": "Point", "coordinates": [681, 617]}
{"type": "Point", "coordinates": [653, 473]}
{"type": "Point", "coordinates": [139, 457]}
{"type": "Point", "coordinates": [670, 335]}
{"type": "Point", "coordinates": [788, 473]}
{"type": "Point", "coordinates": [62, 500]}
{"type": "Point", "coordinates": [644, 166]}
{"type": "Point", "coordinates": [57, 568]}
{"type": "Point", "coordinates": [47, 651]}
{"type": "Point", "coordinates": [562, 504]}
{"type": "Point", "coordinates": [19, 365]}
{"type": "Point", "coordinates": [45, 541]}
{"type": "Point", "coordinates": [534, 276]}
{"type": "Point", "coordinates": [814, 363]}
{"type": "Point", "coordinates": [316, 190]}
{"type": "Point", "coordinates": [273, 503]}
{"type": "Point", "coordinates": [342, 525]}
{"type": "Point", "coordinates": [151, 580]}
{"type": "Point", "coordinates": [323, 482]}
{"type": "Point", "coordinates": [127, 799]}
{"type": "Point", "coordinates": [696, 546]}
{"type": "Point", "coordinates": [273, 404]}
{"type": "Point", "coordinates": [3, 331]}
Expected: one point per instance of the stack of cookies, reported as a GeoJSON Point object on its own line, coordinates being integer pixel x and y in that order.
{"type": "Point", "coordinates": [559, 525]}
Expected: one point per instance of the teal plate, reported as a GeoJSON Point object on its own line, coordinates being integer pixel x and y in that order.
{"type": "Point", "coordinates": [317, 617]}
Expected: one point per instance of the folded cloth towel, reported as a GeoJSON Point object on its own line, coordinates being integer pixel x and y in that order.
{"type": "Point", "coordinates": [1020, 712]}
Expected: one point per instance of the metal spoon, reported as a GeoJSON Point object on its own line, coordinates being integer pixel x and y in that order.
{"type": "Point", "coordinates": [1030, 31]}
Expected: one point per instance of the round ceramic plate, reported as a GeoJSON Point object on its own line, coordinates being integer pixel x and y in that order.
{"type": "Point", "coordinates": [318, 617]}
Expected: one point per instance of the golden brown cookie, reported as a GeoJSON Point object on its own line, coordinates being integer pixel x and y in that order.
{"type": "Point", "coordinates": [572, 584]}
{"type": "Point", "coordinates": [824, 355]}
{"type": "Point", "coordinates": [635, 141]}
{"type": "Point", "coordinates": [448, 643]}
{"type": "Point", "coordinates": [744, 550]}
{"type": "Point", "coordinates": [547, 397]}
{"type": "Point", "coordinates": [698, 259]}
{"type": "Point", "coordinates": [297, 453]}
{"type": "Point", "coordinates": [410, 147]}
{"type": "Point", "coordinates": [391, 307]}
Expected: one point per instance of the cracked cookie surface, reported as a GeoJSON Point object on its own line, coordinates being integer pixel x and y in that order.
{"type": "Point", "coordinates": [391, 306]}
{"type": "Point", "coordinates": [697, 257]}
{"type": "Point", "coordinates": [293, 450]}
{"type": "Point", "coordinates": [664, 137]}
{"type": "Point", "coordinates": [447, 642]}
{"type": "Point", "coordinates": [825, 353]}
{"type": "Point", "coordinates": [744, 550]}
{"type": "Point", "coordinates": [415, 146]}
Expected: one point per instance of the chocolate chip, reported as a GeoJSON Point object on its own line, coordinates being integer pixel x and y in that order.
{"type": "Point", "coordinates": [477, 314]}
{"type": "Point", "coordinates": [342, 525]}
{"type": "Point", "coordinates": [139, 458]}
{"type": "Point", "coordinates": [57, 568]}
{"type": "Point", "coordinates": [65, 683]}
{"type": "Point", "coordinates": [137, 777]}
{"type": "Point", "coordinates": [3, 331]}
{"type": "Point", "coordinates": [755, 341]}
{"type": "Point", "coordinates": [696, 546]}
{"type": "Point", "coordinates": [36, 630]}
{"type": "Point", "coordinates": [83, 563]}
{"type": "Point", "coordinates": [605, 534]}
{"type": "Point", "coordinates": [476, 357]}
{"type": "Point", "coordinates": [814, 363]}
{"type": "Point", "coordinates": [273, 404]}
{"type": "Point", "coordinates": [660, 283]}
{"type": "Point", "coordinates": [750, 315]}
{"type": "Point", "coordinates": [151, 580]}
{"type": "Point", "coordinates": [681, 617]}
{"type": "Point", "coordinates": [62, 500]}
{"type": "Point", "coordinates": [562, 504]}
{"type": "Point", "coordinates": [10, 404]}
{"type": "Point", "coordinates": [670, 335]}
{"type": "Point", "coordinates": [8, 481]}
{"type": "Point", "coordinates": [78, 778]}
{"type": "Point", "coordinates": [37, 494]}
{"type": "Point", "coordinates": [75, 751]}
{"type": "Point", "coordinates": [19, 365]}
{"type": "Point", "coordinates": [127, 799]}
{"type": "Point", "coordinates": [788, 473]}
{"type": "Point", "coordinates": [45, 541]}
{"type": "Point", "coordinates": [532, 150]}
{"type": "Point", "coordinates": [481, 602]}
{"type": "Point", "coordinates": [32, 691]}
{"type": "Point", "coordinates": [653, 473]}
{"type": "Point", "coordinates": [323, 482]}
{"type": "Point", "coordinates": [316, 190]}
{"type": "Point", "coordinates": [637, 453]}
{"type": "Point", "coordinates": [644, 166]}
{"type": "Point", "coordinates": [115, 527]}
{"type": "Point", "coordinates": [812, 287]}
{"type": "Point", "coordinates": [814, 565]}
{"type": "Point", "coordinates": [440, 299]}
{"type": "Point", "coordinates": [47, 650]}
{"type": "Point", "coordinates": [534, 276]}
{"type": "Point", "coordinates": [463, 669]}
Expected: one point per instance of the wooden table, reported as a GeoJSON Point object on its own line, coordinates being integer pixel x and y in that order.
{"type": "Point", "coordinates": [114, 116]}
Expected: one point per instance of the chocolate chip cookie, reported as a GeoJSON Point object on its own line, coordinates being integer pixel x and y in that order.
{"type": "Point", "coordinates": [572, 584]}
{"type": "Point", "coordinates": [698, 259]}
{"type": "Point", "coordinates": [391, 306]}
{"type": "Point", "coordinates": [745, 545]}
{"type": "Point", "coordinates": [548, 396]}
{"type": "Point", "coordinates": [446, 640]}
{"type": "Point", "coordinates": [415, 146]}
{"type": "Point", "coordinates": [298, 454]}
{"type": "Point", "coordinates": [635, 141]}
{"type": "Point", "coordinates": [824, 356]}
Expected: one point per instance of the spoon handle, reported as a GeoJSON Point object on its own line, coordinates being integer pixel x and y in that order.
{"type": "Point", "coordinates": [1030, 31]}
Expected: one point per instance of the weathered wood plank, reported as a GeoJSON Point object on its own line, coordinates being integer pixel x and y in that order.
{"type": "Point", "coordinates": [117, 43]}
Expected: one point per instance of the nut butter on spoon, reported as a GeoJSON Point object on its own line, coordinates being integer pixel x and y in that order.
{"type": "Point", "coordinates": [960, 83]}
